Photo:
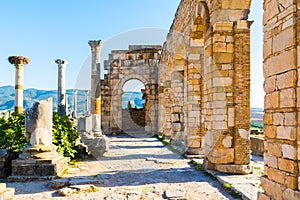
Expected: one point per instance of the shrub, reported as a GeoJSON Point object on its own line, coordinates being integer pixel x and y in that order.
{"type": "Point", "coordinates": [64, 135]}
{"type": "Point", "coordinates": [12, 133]}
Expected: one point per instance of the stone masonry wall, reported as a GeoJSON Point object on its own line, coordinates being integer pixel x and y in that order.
{"type": "Point", "coordinates": [281, 73]}
{"type": "Point", "coordinates": [139, 62]}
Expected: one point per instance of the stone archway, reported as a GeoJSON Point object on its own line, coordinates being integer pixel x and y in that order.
{"type": "Point", "coordinates": [140, 63]}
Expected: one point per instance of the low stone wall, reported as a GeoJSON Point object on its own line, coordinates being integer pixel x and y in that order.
{"type": "Point", "coordinates": [257, 146]}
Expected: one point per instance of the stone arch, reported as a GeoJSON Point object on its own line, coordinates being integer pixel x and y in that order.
{"type": "Point", "coordinates": [140, 63]}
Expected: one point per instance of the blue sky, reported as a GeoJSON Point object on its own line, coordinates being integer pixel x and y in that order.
{"type": "Point", "coordinates": [50, 29]}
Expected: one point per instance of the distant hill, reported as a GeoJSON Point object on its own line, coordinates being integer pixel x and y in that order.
{"type": "Point", "coordinates": [31, 95]}
{"type": "Point", "coordinates": [7, 94]}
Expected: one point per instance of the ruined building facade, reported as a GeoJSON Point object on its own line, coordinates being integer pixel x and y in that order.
{"type": "Point", "coordinates": [198, 88]}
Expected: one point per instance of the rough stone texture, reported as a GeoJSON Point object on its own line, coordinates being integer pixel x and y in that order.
{"type": "Point", "coordinates": [38, 123]}
{"type": "Point", "coordinates": [281, 35]}
{"type": "Point", "coordinates": [96, 145]}
{"type": "Point", "coordinates": [6, 193]}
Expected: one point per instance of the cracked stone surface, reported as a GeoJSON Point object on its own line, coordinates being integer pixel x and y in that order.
{"type": "Point", "coordinates": [134, 168]}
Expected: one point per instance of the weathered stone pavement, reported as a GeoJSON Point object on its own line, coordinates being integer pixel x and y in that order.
{"type": "Point", "coordinates": [134, 168]}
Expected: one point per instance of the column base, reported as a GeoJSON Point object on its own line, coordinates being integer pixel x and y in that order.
{"type": "Point", "coordinates": [38, 163]}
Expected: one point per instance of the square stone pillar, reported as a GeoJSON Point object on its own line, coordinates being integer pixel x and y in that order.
{"type": "Point", "coordinates": [226, 94]}
{"type": "Point", "coordinates": [282, 101]}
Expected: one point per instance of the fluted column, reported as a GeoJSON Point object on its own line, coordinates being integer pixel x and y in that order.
{"type": "Point", "coordinates": [86, 102]}
{"type": "Point", "coordinates": [19, 62]}
{"type": "Point", "coordinates": [95, 74]}
{"type": "Point", "coordinates": [61, 90]}
{"type": "Point", "coordinates": [75, 103]}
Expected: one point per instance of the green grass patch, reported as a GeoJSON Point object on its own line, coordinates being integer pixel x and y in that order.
{"type": "Point", "coordinates": [227, 187]}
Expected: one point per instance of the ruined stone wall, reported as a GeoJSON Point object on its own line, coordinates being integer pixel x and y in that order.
{"type": "Point", "coordinates": [281, 73]}
{"type": "Point", "coordinates": [140, 63]}
{"type": "Point", "coordinates": [209, 45]}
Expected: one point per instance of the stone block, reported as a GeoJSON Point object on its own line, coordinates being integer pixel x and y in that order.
{"type": "Point", "coordinates": [97, 146]}
{"type": "Point", "coordinates": [283, 62]}
{"type": "Point", "coordinates": [289, 194]}
{"type": "Point", "coordinates": [274, 175]}
{"type": "Point", "coordinates": [272, 100]}
{"type": "Point", "coordinates": [222, 58]}
{"type": "Point", "coordinates": [270, 160]}
{"type": "Point", "coordinates": [286, 38]}
{"type": "Point", "coordinates": [286, 80]}
{"type": "Point", "coordinates": [262, 196]}
{"type": "Point", "coordinates": [270, 84]}
{"type": "Point", "coordinates": [222, 82]}
{"type": "Point", "coordinates": [288, 151]}
{"type": "Point", "coordinates": [234, 169]}
{"type": "Point", "coordinates": [278, 119]}
{"type": "Point", "coordinates": [219, 125]}
{"type": "Point", "coordinates": [286, 132]}
{"type": "Point", "coordinates": [274, 149]}
{"type": "Point", "coordinates": [257, 146]}
{"type": "Point", "coordinates": [270, 131]}
{"type": "Point", "coordinates": [287, 98]}
{"type": "Point", "coordinates": [193, 141]}
{"type": "Point", "coordinates": [221, 156]}
{"type": "Point", "coordinates": [290, 119]}
{"type": "Point", "coordinates": [287, 165]}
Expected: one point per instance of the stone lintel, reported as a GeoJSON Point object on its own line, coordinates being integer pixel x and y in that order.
{"type": "Point", "coordinates": [223, 26]}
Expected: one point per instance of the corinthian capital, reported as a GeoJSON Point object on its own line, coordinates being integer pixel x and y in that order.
{"type": "Point", "coordinates": [61, 62]}
{"type": "Point", "coordinates": [95, 44]}
{"type": "Point", "coordinates": [18, 60]}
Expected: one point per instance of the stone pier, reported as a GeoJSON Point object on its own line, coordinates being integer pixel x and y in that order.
{"type": "Point", "coordinates": [86, 103]}
{"type": "Point", "coordinates": [19, 62]}
{"type": "Point", "coordinates": [75, 104]}
{"type": "Point", "coordinates": [61, 90]}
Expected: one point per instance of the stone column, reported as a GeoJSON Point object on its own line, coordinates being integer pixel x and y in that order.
{"type": "Point", "coordinates": [75, 104]}
{"type": "Point", "coordinates": [61, 90]}
{"type": "Point", "coordinates": [18, 62]}
{"type": "Point", "coordinates": [95, 73]}
{"type": "Point", "coordinates": [86, 102]}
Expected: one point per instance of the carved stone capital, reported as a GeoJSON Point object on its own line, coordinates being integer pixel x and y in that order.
{"type": "Point", "coordinates": [95, 44]}
{"type": "Point", "coordinates": [18, 60]}
{"type": "Point", "coordinates": [61, 62]}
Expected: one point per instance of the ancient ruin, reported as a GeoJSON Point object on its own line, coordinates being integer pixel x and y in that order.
{"type": "Point", "coordinates": [197, 93]}
{"type": "Point", "coordinates": [201, 94]}
{"type": "Point", "coordinates": [19, 62]}
{"type": "Point", "coordinates": [39, 160]}
{"type": "Point", "coordinates": [61, 87]}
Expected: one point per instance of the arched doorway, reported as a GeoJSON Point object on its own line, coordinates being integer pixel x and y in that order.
{"type": "Point", "coordinates": [133, 106]}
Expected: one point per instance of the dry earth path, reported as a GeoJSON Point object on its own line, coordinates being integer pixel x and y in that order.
{"type": "Point", "coordinates": [134, 168]}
